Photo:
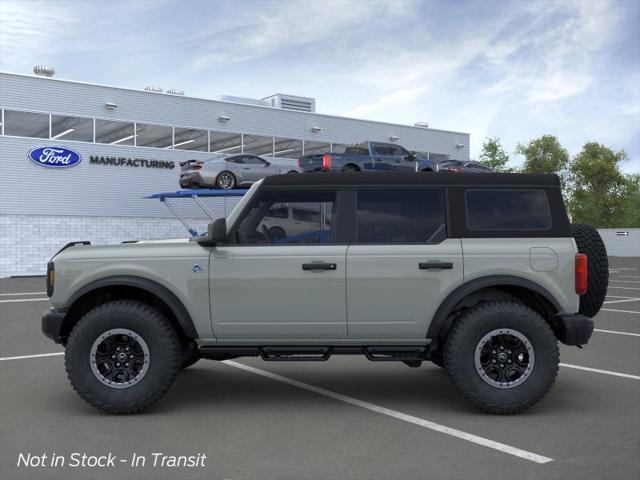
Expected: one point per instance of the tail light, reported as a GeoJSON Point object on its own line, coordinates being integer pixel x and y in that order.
{"type": "Point", "coordinates": [326, 162]}
{"type": "Point", "coordinates": [196, 167]}
{"type": "Point", "coordinates": [456, 170]}
{"type": "Point", "coordinates": [582, 273]}
{"type": "Point", "coordinates": [51, 278]}
{"type": "Point", "coordinates": [299, 163]}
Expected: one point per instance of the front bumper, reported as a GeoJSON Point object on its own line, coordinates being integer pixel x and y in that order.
{"type": "Point", "coordinates": [574, 329]}
{"type": "Point", "coordinates": [52, 321]}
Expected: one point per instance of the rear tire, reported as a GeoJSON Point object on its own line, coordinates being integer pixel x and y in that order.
{"type": "Point", "coordinates": [350, 169]}
{"type": "Point", "coordinates": [588, 241]}
{"type": "Point", "coordinates": [502, 357]}
{"type": "Point", "coordinates": [120, 328]}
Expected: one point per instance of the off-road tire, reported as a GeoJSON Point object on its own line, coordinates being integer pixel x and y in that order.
{"type": "Point", "coordinates": [464, 338]}
{"type": "Point", "coordinates": [350, 169]}
{"type": "Point", "coordinates": [165, 355]}
{"type": "Point", "coordinates": [589, 241]}
{"type": "Point", "coordinates": [190, 355]}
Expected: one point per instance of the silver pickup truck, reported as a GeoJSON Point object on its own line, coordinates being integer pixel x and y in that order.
{"type": "Point", "coordinates": [479, 274]}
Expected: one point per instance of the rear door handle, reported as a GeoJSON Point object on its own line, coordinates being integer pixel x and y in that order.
{"type": "Point", "coordinates": [319, 266]}
{"type": "Point", "coordinates": [435, 265]}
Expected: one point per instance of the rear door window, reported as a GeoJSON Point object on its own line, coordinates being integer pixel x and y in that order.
{"type": "Point", "coordinates": [507, 210]}
{"type": "Point", "coordinates": [400, 216]}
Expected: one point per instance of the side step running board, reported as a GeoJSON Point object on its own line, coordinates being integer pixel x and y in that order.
{"type": "Point", "coordinates": [289, 354]}
{"type": "Point", "coordinates": [394, 354]}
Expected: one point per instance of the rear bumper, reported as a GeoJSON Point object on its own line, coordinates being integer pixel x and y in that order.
{"type": "Point", "coordinates": [574, 329]}
{"type": "Point", "coordinates": [52, 321]}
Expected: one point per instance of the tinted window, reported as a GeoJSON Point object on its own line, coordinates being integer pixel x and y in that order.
{"type": "Point", "coordinates": [253, 160]}
{"type": "Point", "coordinates": [508, 210]}
{"type": "Point", "coordinates": [26, 124]}
{"type": "Point", "coordinates": [71, 128]}
{"type": "Point", "coordinates": [236, 159]}
{"type": "Point", "coordinates": [115, 133]}
{"type": "Point", "coordinates": [267, 220]}
{"type": "Point", "coordinates": [401, 216]}
{"type": "Point", "coordinates": [157, 136]}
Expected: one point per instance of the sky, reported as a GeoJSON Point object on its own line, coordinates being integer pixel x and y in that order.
{"type": "Point", "coordinates": [509, 69]}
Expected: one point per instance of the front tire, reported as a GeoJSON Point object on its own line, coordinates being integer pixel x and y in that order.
{"type": "Point", "coordinates": [122, 356]}
{"type": "Point", "coordinates": [502, 357]}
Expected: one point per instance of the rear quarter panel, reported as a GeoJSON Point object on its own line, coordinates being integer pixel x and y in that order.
{"type": "Point", "coordinates": [549, 262]}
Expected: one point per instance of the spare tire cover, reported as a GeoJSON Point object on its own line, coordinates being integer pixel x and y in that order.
{"type": "Point", "coordinates": [588, 241]}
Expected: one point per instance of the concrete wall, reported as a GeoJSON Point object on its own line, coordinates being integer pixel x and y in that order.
{"type": "Point", "coordinates": [620, 245]}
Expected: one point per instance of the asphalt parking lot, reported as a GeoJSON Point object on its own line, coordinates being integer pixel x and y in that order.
{"type": "Point", "coordinates": [347, 418]}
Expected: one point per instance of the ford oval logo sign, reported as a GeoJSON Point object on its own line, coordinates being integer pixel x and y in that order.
{"type": "Point", "coordinates": [55, 157]}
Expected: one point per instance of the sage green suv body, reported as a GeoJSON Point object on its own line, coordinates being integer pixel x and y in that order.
{"type": "Point", "coordinates": [393, 266]}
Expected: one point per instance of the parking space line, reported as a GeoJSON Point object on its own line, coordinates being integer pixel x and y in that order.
{"type": "Point", "coordinates": [620, 311]}
{"type": "Point", "coordinates": [22, 357]}
{"type": "Point", "coordinates": [626, 300]}
{"type": "Point", "coordinates": [622, 288]}
{"type": "Point", "coordinates": [22, 293]}
{"type": "Point", "coordinates": [628, 276]}
{"type": "Point", "coordinates": [617, 296]}
{"type": "Point", "coordinates": [597, 370]}
{"type": "Point", "coordinates": [616, 332]}
{"type": "Point", "coordinates": [485, 442]}
{"type": "Point", "coordinates": [625, 281]}
{"type": "Point", "coordinates": [18, 300]}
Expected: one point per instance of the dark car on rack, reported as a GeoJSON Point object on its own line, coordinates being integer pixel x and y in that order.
{"type": "Point", "coordinates": [461, 166]}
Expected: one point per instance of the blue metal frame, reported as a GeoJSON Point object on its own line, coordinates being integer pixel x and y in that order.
{"type": "Point", "coordinates": [195, 194]}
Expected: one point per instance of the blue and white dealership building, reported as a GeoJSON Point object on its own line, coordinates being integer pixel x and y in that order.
{"type": "Point", "coordinates": [76, 159]}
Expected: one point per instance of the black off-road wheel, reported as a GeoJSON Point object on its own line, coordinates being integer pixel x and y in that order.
{"type": "Point", "coordinates": [588, 241]}
{"type": "Point", "coordinates": [122, 356]}
{"type": "Point", "coordinates": [502, 357]}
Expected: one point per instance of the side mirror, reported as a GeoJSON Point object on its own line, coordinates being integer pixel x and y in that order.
{"type": "Point", "coordinates": [217, 231]}
{"type": "Point", "coordinates": [411, 156]}
{"type": "Point", "coordinates": [266, 164]}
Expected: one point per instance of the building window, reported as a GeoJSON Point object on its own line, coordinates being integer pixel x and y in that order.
{"type": "Point", "coordinates": [226, 143]}
{"type": "Point", "coordinates": [26, 124]}
{"type": "Point", "coordinates": [191, 139]}
{"type": "Point", "coordinates": [157, 136]}
{"type": "Point", "coordinates": [287, 148]}
{"type": "Point", "coordinates": [71, 128]}
{"type": "Point", "coordinates": [316, 148]}
{"type": "Point", "coordinates": [258, 145]}
{"type": "Point", "coordinates": [115, 133]}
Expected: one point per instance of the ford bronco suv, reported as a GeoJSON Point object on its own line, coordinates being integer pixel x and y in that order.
{"type": "Point", "coordinates": [480, 274]}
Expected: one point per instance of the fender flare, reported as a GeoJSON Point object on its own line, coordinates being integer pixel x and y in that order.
{"type": "Point", "coordinates": [439, 321]}
{"type": "Point", "coordinates": [163, 293]}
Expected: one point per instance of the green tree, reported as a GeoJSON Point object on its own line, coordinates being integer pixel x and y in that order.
{"type": "Point", "coordinates": [494, 156]}
{"type": "Point", "coordinates": [599, 191]}
{"type": "Point", "coordinates": [631, 215]}
{"type": "Point", "coordinates": [544, 155]}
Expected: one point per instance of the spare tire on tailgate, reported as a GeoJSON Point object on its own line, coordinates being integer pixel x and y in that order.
{"type": "Point", "coordinates": [589, 241]}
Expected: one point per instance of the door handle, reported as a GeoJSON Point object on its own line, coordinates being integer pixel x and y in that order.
{"type": "Point", "coordinates": [319, 266]}
{"type": "Point", "coordinates": [435, 265]}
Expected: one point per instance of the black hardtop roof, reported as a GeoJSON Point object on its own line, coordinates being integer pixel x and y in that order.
{"type": "Point", "coordinates": [320, 179]}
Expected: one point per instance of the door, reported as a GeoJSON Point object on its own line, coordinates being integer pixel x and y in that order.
{"type": "Point", "coordinates": [392, 157]}
{"type": "Point", "coordinates": [280, 282]}
{"type": "Point", "coordinates": [402, 264]}
{"type": "Point", "coordinates": [255, 168]}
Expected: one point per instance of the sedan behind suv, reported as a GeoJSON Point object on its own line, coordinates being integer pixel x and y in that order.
{"type": "Point", "coordinates": [460, 166]}
{"type": "Point", "coordinates": [228, 172]}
